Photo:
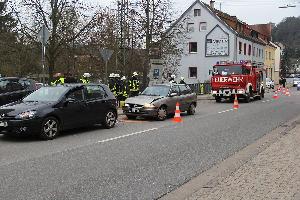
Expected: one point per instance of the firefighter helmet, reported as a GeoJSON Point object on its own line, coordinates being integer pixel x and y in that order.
{"type": "Point", "coordinates": [135, 74]}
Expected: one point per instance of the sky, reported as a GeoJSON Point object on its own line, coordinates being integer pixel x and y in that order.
{"type": "Point", "coordinates": [249, 11]}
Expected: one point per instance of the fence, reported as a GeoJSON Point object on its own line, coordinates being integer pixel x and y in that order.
{"type": "Point", "coordinates": [201, 88]}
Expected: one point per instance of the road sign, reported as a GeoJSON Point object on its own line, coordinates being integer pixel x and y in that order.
{"type": "Point", "coordinates": [106, 54]}
{"type": "Point", "coordinates": [43, 35]}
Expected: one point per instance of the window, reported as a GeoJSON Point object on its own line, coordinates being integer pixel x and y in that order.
{"type": "Point", "coordinates": [190, 27]}
{"type": "Point", "coordinates": [197, 12]}
{"type": "Point", "coordinates": [175, 89]}
{"type": "Point", "coordinates": [240, 47]}
{"type": "Point", "coordinates": [203, 26]}
{"type": "Point", "coordinates": [253, 51]}
{"type": "Point", "coordinates": [77, 95]}
{"type": "Point", "coordinates": [193, 47]}
{"type": "Point", "coordinates": [257, 52]}
{"type": "Point", "coordinates": [245, 49]}
{"type": "Point", "coordinates": [270, 57]}
{"type": "Point", "coordinates": [95, 92]}
{"type": "Point", "coordinates": [192, 72]}
{"type": "Point", "coordinates": [266, 55]}
{"type": "Point", "coordinates": [12, 85]}
{"type": "Point", "coordinates": [184, 90]}
{"type": "Point", "coordinates": [249, 50]}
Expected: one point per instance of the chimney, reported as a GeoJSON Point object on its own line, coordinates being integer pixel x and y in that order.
{"type": "Point", "coordinates": [212, 4]}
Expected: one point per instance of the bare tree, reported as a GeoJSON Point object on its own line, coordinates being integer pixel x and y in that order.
{"type": "Point", "coordinates": [67, 21]}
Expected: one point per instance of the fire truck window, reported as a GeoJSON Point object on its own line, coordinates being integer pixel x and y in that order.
{"type": "Point", "coordinates": [246, 71]}
{"type": "Point", "coordinates": [229, 70]}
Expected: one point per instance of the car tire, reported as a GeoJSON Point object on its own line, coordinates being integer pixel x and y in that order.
{"type": "Point", "coordinates": [191, 110]}
{"type": "Point", "coordinates": [110, 119]}
{"type": "Point", "coordinates": [50, 128]}
{"type": "Point", "coordinates": [162, 113]}
{"type": "Point", "coordinates": [130, 117]}
{"type": "Point", "coordinates": [218, 99]}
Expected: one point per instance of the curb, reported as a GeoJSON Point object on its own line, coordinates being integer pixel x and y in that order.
{"type": "Point", "coordinates": [221, 170]}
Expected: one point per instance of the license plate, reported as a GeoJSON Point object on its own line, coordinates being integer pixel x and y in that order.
{"type": "Point", "coordinates": [3, 124]}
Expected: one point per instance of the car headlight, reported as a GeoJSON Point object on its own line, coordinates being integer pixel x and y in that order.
{"type": "Point", "coordinates": [148, 105]}
{"type": "Point", "coordinates": [27, 114]}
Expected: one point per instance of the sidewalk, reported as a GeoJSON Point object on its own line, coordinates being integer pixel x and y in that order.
{"type": "Point", "coordinates": [274, 173]}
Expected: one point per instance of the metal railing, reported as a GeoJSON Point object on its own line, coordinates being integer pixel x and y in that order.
{"type": "Point", "coordinates": [200, 88]}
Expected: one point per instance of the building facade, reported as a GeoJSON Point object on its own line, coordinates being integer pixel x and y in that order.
{"type": "Point", "coordinates": [213, 36]}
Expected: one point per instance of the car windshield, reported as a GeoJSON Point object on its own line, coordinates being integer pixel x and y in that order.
{"type": "Point", "coordinates": [231, 70]}
{"type": "Point", "coordinates": [156, 91]}
{"type": "Point", "coordinates": [46, 94]}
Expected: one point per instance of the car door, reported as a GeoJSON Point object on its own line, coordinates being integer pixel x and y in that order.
{"type": "Point", "coordinates": [184, 97]}
{"type": "Point", "coordinates": [96, 100]}
{"type": "Point", "coordinates": [74, 110]}
{"type": "Point", "coordinates": [172, 100]}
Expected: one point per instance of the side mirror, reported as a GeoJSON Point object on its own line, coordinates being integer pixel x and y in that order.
{"type": "Point", "coordinates": [173, 94]}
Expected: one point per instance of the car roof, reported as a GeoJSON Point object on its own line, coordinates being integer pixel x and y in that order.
{"type": "Point", "coordinates": [168, 84]}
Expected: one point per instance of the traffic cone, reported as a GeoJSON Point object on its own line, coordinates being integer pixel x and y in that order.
{"type": "Point", "coordinates": [275, 96]}
{"type": "Point", "coordinates": [283, 91]}
{"type": "Point", "coordinates": [279, 89]}
{"type": "Point", "coordinates": [235, 103]}
{"type": "Point", "coordinates": [177, 117]}
{"type": "Point", "coordinates": [288, 93]}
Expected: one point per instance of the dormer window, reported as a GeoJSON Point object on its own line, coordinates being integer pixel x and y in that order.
{"type": "Point", "coordinates": [197, 12]}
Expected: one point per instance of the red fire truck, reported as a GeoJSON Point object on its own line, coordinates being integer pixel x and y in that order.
{"type": "Point", "coordinates": [246, 80]}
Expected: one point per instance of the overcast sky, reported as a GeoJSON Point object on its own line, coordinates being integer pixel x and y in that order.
{"type": "Point", "coordinates": [249, 11]}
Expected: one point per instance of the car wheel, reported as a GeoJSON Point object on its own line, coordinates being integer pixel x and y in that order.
{"type": "Point", "coordinates": [50, 128]}
{"type": "Point", "coordinates": [218, 99]}
{"type": "Point", "coordinates": [130, 117]}
{"type": "Point", "coordinates": [191, 110]}
{"type": "Point", "coordinates": [162, 114]}
{"type": "Point", "coordinates": [110, 119]}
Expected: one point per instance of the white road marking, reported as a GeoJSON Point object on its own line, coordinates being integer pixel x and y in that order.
{"type": "Point", "coordinates": [128, 135]}
{"type": "Point", "coordinates": [264, 101]}
{"type": "Point", "coordinates": [268, 100]}
{"type": "Point", "coordinates": [224, 111]}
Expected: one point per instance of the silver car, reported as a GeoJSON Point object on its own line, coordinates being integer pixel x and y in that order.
{"type": "Point", "coordinates": [159, 101]}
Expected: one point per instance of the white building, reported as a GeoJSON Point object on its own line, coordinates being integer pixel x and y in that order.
{"type": "Point", "coordinates": [212, 36]}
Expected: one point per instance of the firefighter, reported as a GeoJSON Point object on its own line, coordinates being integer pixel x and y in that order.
{"type": "Point", "coordinates": [182, 80]}
{"type": "Point", "coordinates": [172, 79]}
{"type": "Point", "coordinates": [123, 93]}
{"type": "Point", "coordinates": [111, 82]}
{"type": "Point", "coordinates": [134, 85]}
{"type": "Point", "coordinates": [59, 79]}
{"type": "Point", "coordinates": [117, 85]}
{"type": "Point", "coordinates": [85, 78]}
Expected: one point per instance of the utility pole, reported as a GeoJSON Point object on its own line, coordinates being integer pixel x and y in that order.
{"type": "Point", "coordinates": [148, 42]}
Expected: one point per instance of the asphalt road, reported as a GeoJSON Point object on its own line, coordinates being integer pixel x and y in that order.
{"type": "Point", "coordinates": [137, 159]}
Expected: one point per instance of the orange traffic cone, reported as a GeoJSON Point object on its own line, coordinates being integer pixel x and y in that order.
{"type": "Point", "coordinates": [283, 91]}
{"type": "Point", "coordinates": [177, 117]}
{"type": "Point", "coordinates": [275, 96]}
{"type": "Point", "coordinates": [235, 103]}
{"type": "Point", "coordinates": [288, 93]}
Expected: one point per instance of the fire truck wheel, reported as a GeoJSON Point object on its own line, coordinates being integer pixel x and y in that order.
{"type": "Point", "coordinates": [218, 99]}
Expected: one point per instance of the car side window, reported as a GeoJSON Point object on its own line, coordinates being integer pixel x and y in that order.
{"type": "Point", "coordinates": [3, 84]}
{"type": "Point", "coordinates": [175, 89]}
{"type": "Point", "coordinates": [183, 89]}
{"type": "Point", "coordinates": [95, 92]}
{"type": "Point", "coordinates": [13, 85]}
{"type": "Point", "coordinates": [25, 83]}
{"type": "Point", "coordinates": [77, 95]}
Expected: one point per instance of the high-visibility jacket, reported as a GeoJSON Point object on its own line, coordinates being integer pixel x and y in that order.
{"type": "Point", "coordinates": [134, 84]}
{"type": "Point", "coordinates": [123, 89]}
{"type": "Point", "coordinates": [84, 80]}
{"type": "Point", "coordinates": [59, 81]}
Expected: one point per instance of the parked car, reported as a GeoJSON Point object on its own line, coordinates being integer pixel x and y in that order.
{"type": "Point", "coordinates": [160, 100]}
{"type": "Point", "coordinates": [270, 83]}
{"type": "Point", "coordinates": [296, 81]}
{"type": "Point", "coordinates": [13, 89]}
{"type": "Point", "coordinates": [49, 110]}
